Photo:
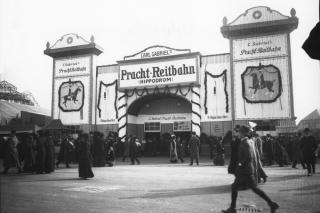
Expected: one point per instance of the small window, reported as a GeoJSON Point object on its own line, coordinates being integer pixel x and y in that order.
{"type": "Point", "coordinates": [183, 126]}
{"type": "Point", "coordinates": [152, 127]}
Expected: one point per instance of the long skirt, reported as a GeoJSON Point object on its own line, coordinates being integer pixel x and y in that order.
{"type": "Point", "coordinates": [85, 170]}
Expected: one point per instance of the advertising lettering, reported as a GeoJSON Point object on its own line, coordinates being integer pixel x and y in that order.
{"type": "Point", "coordinates": [260, 47]}
{"type": "Point", "coordinates": [72, 67]}
{"type": "Point", "coordinates": [180, 72]}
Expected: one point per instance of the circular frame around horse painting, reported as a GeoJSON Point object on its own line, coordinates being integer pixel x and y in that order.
{"type": "Point", "coordinates": [261, 84]}
{"type": "Point", "coordinates": [71, 96]}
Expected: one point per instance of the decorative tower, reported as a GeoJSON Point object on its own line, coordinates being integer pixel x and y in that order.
{"type": "Point", "coordinates": [261, 64]}
{"type": "Point", "coordinates": [74, 79]}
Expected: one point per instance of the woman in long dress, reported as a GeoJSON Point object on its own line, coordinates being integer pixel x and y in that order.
{"type": "Point", "coordinates": [85, 158]}
{"type": "Point", "coordinates": [173, 150]}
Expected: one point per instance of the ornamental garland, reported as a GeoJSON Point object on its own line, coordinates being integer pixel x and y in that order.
{"type": "Point", "coordinates": [71, 96]}
{"type": "Point", "coordinates": [156, 90]}
{"type": "Point", "coordinates": [224, 73]}
{"type": "Point", "coordinates": [260, 84]}
{"type": "Point", "coordinates": [116, 96]}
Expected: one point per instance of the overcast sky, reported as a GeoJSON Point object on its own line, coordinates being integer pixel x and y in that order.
{"type": "Point", "coordinates": [124, 27]}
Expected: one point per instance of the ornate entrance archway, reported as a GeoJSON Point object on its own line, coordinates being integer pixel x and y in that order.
{"type": "Point", "coordinates": [130, 100]}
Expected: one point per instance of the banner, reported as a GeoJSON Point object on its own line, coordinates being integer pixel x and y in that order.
{"type": "Point", "coordinates": [262, 89]}
{"type": "Point", "coordinates": [107, 94]}
{"type": "Point", "coordinates": [260, 47]}
{"type": "Point", "coordinates": [71, 100]}
{"type": "Point", "coordinates": [170, 72]}
{"type": "Point", "coordinates": [216, 89]}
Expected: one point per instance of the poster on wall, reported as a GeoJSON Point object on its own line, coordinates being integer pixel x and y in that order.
{"type": "Point", "coordinates": [262, 89]}
{"type": "Point", "coordinates": [107, 95]}
{"type": "Point", "coordinates": [71, 101]}
{"type": "Point", "coordinates": [216, 91]}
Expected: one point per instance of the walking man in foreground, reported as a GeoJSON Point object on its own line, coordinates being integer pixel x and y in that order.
{"type": "Point", "coordinates": [244, 174]}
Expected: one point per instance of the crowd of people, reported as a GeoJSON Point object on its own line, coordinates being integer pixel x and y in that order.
{"type": "Point", "coordinates": [36, 153]}
{"type": "Point", "coordinates": [249, 153]}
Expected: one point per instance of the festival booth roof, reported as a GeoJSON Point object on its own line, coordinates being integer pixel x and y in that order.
{"type": "Point", "coordinates": [18, 128]}
{"type": "Point", "coordinates": [311, 121]}
{"type": "Point", "coordinates": [10, 110]}
{"type": "Point", "coordinates": [55, 124]}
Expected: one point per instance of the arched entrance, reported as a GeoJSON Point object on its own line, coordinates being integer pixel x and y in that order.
{"type": "Point", "coordinates": [154, 117]}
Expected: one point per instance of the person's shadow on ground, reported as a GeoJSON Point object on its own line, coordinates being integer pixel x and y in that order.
{"type": "Point", "coordinates": [155, 194]}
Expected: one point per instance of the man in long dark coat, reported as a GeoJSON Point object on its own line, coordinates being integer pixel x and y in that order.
{"type": "Point", "coordinates": [296, 152]}
{"type": "Point", "coordinates": [309, 147]}
{"type": "Point", "coordinates": [134, 143]}
{"type": "Point", "coordinates": [41, 153]}
{"type": "Point", "coordinates": [180, 149]}
{"type": "Point", "coordinates": [194, 144]}
{"type": "Point", "coordinates": [126, 148]}
{"type": "Point", "coordinates": [50, 158]}
{"type": "Point", "coordinates": [269, 150]}
{"type": "Point", "coordinates": [99, 154]}
{"type": "Point", "coordinates": [234, 151]}
{"type": "Point", "coordinates": [245, 172]}
{"type": "Point", "coordinates": [11, 155]}
{"type": "Point", "coordinates": [29, 155]}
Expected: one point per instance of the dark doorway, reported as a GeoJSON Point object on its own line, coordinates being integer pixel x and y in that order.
{"type": "Point", "coordinates": [152, 143]}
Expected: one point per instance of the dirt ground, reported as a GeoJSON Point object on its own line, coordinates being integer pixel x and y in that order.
{"type": "Point", "coordinates": [154, 186]}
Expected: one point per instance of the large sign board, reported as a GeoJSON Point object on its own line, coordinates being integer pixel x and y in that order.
{"type": "Point", "coordinates": [260, 47]}
{"type": "Point", "coordinates": [71, 100]}
{"type": "Point", "coordinates": [183, 70]}
{"type": "Point", "coordinates": [72, 89]}
{"type": "Point", "coordinates": [262, 89]}
{"type": "Point", "coordinates": [72, 66]}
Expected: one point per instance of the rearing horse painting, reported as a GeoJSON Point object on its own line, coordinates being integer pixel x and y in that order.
{"type": "Point", "coordinates": [71, 96]}
{"type": "Point", "coordinates": [261, 84]}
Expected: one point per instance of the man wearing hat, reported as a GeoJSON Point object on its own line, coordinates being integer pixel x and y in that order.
{"type": "Point", "coordinates": [309, 147]}
{"type": "Point", "coordinates": [244, 172]}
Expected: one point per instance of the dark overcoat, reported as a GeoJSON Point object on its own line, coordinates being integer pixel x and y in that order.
{"type": "Point", "coordinates": [99, 154]}
{"type": "Point", "coordinates": [11, 156]}
{"type": "Point", "coordinates": [41, 154]}
{"type": "Point", "coordinates": [194, 144]}
{"type": "Point", "coordinates": [246, 158]}
{"type": "Point", "coordinates": [50, 158]}
{"type": "Point", "coordinates": [85, 160]}
{"type": "Point", "coordinates": [234, 155]}
{"type": "Point", "coordinates": [308, 147]}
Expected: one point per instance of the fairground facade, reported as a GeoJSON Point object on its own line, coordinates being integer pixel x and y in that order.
{"type": "Point", "coordinates": [165, 90]}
